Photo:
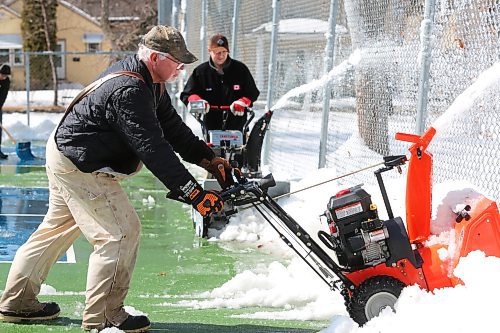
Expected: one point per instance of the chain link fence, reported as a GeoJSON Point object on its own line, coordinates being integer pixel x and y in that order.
{"type": "Point", "coordinates": [32, 80]}
{"type": "Point", "coordinates": [374, 86]}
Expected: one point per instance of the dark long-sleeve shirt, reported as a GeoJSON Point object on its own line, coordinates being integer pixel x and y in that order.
{"type": "Point", "coordinates": [221, 89]}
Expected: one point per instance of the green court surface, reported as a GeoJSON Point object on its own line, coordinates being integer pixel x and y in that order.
{"type": "Point", "coordinates": [173, 265]}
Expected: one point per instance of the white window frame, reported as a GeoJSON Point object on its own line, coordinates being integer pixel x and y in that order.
{"type": "Point", "coordinates": [89, 49]}
{"type": "Point", "coordinates": [2, 51]}
{"type": "Point", "coordinates": [12, 57]}
{"type": "Point", "coordinates": [93, 41]}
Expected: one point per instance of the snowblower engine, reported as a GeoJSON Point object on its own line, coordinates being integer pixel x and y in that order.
{"type": "Point", "coordinates": [359, 237]}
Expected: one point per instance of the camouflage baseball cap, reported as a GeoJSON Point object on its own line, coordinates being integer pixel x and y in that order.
{"type": "Point", "coordinates": [169, 40]}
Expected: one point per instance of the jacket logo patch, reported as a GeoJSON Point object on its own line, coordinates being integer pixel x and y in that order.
{"type": "Point", "coordinates": [208, 89]}
{"type": "Point", "coordinates": [236, 87]}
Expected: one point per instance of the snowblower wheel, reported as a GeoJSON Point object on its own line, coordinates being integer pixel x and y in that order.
{"type": "Point", "coordinates": [372, 296]}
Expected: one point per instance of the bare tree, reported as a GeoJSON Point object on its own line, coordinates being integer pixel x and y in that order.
{"type": "Point", "coordinates": [105, 24]}
{"type": "Point", "coordinates": [39, 28]}
{"type": "Point", "coordinates": [373, 91]}
{"type": "Point", "coordinates": [47, 25]}
{"type": "Point", "coordinates": [122, 22]}
{"type": "Point", "coordinates": [125, 35]}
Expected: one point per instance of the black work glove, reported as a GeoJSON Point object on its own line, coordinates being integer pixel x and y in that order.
{"type": "Point", "coordinates": [207, 203]}
{"type": "Point", "coordinates": [220, 169]}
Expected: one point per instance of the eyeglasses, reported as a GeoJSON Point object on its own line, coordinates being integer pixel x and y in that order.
{"type": "Point", "coordinates": [180, 65]}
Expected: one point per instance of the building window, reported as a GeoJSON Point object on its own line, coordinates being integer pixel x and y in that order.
{"type": "Point", "coordinates": [93, 47]}
{"type": "Point", "coordinates": [17, 57]}
{"type": "Point", "coordinates": [13, 57]}
{"type": "Point", "coordinates": [93, 41]}
{"type": "Point", "coordinates": [11, 49]}
{"type": "Point", "coordinates": [4, 56]}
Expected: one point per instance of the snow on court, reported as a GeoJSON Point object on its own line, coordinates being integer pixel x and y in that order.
{"type": "Point", "coordinates": [467, 308]}
{"type": "Point", "coordinates": [41, 125]}
{"type": "Point", "coordinates": [297, 293]}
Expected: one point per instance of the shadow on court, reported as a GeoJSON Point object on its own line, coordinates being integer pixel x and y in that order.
{"type": "Point", "coordinates": [168, 327]}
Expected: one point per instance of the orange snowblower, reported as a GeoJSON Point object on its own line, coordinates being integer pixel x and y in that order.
{"type": "Point", "coordinates": [375, 258]}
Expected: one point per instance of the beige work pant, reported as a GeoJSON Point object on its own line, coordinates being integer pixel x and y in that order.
{"type": "Point", "coordinates": [97, 206]}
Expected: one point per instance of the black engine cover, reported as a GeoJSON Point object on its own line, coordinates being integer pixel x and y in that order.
{"type": "Point", "coordinates": [399, 243]}
{"type": "Point", "coordinates": [363, 240]}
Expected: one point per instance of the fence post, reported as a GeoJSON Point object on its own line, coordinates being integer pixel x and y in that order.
{"type": "Point", "coordinates": [175, 14]}
{"type": "Point", "coordinates": [182, 76]}
{"type": "Point", "coordinates": [236, 14]}
{"type": "Point", "coordinates": [272, 70]}
{"type": "Point", "coordinates": [164, 8]}
{"type": "Point", "coordinates": [174, 22]}
{"type": "Point", "coordinates": [425, 63]}
{"type": "Point", "coordinates": [27, 78]}
{"type": "Point", "coordinates": [203, 31]}
{"type": "Point", "coordinates": [330, 46]}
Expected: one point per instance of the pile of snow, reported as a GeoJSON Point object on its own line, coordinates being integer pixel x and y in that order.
{"type": "Point", "coordinates": [41, 124]}
{"type": "Point", "coordinates": [467, 308]}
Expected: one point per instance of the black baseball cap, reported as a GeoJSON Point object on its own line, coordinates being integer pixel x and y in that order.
{"type": "Point", "coordinates": [218, 40]}
{"type": "Point", "coordinates": [5, 69]}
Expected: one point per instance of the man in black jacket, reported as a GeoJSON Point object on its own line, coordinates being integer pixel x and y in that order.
{"type": "Point", "coordinates": [223, 84]}
{"type": "Point", "coordinates": [4, 90]}
{"type": "Point", "coordinates": [119, 122]}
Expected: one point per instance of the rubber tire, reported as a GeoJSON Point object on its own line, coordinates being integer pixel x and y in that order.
{"type": "Point", "coordinates": [372, 296]}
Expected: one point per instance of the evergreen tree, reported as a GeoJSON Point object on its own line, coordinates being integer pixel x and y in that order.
{"type": "Point", "coordinates": [39, 34]}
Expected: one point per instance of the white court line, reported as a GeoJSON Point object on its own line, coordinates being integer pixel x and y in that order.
{"type": "Point", "coordinates": [70, 256]}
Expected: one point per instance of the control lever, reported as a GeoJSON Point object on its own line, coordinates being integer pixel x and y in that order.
{"type": "Point", "coordinates": [267, 182]}
{"type": "Point", "coordinates": [197, 108]}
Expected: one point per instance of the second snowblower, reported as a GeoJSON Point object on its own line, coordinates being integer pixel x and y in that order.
{"type": "Point", "coordinates": [240, 148]}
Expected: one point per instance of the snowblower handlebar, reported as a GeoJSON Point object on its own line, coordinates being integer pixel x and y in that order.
{"type": "Point", "coordinates": [395, 161]}
{"type": "Point", "coordinates": [254, 193]}
{"type": "Point", "coordinates": [247, 191]}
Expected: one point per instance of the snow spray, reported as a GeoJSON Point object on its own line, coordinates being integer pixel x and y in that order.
{"type": "Point", "coordinates": [338, 71]}
{"type": "Point", "coordinates": [465, 100]}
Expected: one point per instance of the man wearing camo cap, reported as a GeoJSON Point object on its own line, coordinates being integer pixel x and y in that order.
{"type": "Point", "coordinates": [119, 122]}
